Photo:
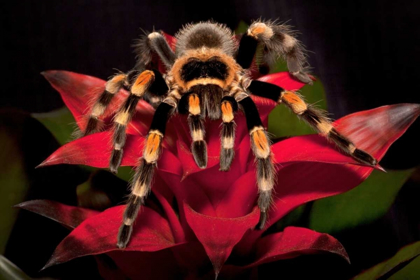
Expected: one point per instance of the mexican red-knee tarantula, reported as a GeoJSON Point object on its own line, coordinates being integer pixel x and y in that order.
{"type": "Point", "coordinates": [207, 77]}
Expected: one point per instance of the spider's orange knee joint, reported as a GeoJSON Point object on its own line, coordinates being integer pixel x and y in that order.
{"type": "Point", "coordinates": [260, 142]}
{"type": "Point", "coordinates": [227, 112]}
{"type": "Point", "coordinates": [260, 29]}
{"type": "Point", "coordinates": [151, 150]}
{"type": "Point", "coordinates": [194, 105]}
{"type": "Point", "coordinates": [115, 84]}
{"type": "Point", "coordinates": [122, 117]}
{"type": "Point", "coordinates": [142, 82]}
{"type": "Point", "coordinates": [293, 100]}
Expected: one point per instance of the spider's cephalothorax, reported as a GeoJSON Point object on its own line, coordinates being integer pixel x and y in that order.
{"type": "Point", "coordinates": [206, 77]}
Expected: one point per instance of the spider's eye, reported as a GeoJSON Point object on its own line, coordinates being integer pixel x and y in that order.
{"type": "Point", "coordinates": [196, 68]}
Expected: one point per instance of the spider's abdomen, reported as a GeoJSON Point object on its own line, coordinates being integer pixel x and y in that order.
{"type": "Point", "coordinates": [205, 34]}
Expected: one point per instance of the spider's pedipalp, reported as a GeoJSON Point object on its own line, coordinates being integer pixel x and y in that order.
{"type": "Point", "coordinates": [278, 41]}
{"type": "Point", "coordinates": [141, 184]}
{"type": "Point", "coordinates": [112, 87]}
{"type": "Point", "coordinates": [196, 124]}
{"type": "Point", "coordinates": [228, 107]}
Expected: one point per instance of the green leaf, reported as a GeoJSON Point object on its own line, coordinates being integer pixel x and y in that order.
{"type": "Point", "coordinates": [125, 173]}
{"type": "Point", "coordinates": [391, 266]}
{"type": "Point", "coordinates": [242, 27]}
{"type": "Point", "coordinates": [361, 205]}
{"type": "Point", "coordinates": [60, 123]}
{"type": "Point", "coordinates": [9, 271]}
{"type": "Point", "coordinates": [410, 271]}
{"type": "Point", "coordinates": [282, 122]}
{"type": "Point", "coordinates": [294, 218]}
{"type": "Point", "coordinates": [280, 66]}
{"type": "Point", "coordinates": [13, 178]}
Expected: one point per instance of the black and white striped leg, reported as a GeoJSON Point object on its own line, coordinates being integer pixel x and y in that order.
{"type": "Point", "coordinates": [260, 144]}
{"type": "Point", "coordinates": [228, 107]}
{"type": "Point", "coordinates": [124, 115]}
{"type": "Point", "coordinates": [112, 87]}
{"type": "Point", "coordinates": [141, 184]}
{"type": "Point", "coordinates": [278, 40]}
{"type": "Point", "coordinates": [196, 123]}
{"type": "Point", "coordinates": [314, 117]}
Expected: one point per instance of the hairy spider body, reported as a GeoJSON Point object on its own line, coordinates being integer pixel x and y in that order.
{"type": "Point", "coordinates": [207, 78]}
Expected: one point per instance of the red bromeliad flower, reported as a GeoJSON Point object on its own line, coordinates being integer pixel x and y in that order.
{"type": "Point", "coordinates": [206, 217]}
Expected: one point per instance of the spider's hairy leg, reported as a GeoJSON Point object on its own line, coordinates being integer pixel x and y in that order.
{"type": "Point", "coordinates": [318, 120]}
{"type": "Point", "coordinates": [124, 115]}
{"type": "Point", "coordinates": [261, 148]}
{"type": "Point", "coordinates": [229, 106]}
{"type": "Point", "coordinates": [153, 43]}
{"type": "Point", "coordinates": [195, 121]}
{"type": "Point", "coordinates": [314, 117]}
{"type": "Point", "coordinates": [141, 183]}
{"type": "Point", "coordinates": [112, 87]}
{"type": "Point", "coordinates": [278, 41]}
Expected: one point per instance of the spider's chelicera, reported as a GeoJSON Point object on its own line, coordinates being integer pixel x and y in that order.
{"type": "Point", "coordinates": [207, 77]}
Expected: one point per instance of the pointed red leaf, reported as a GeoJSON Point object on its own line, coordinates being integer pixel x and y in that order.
{"type": "Point", "coordinates": [69, 216]}
{"type": "Point", "coordinates": [219, 235]}
{"type": "Point", "coordinates": [293, 242]}
{"type": "Point", "coordinates": [95, 150]}
{"type": "Point", "coordinates": [283, 80]}
{"type": "Point", "coordinates": [79, 92]}
{"type": "Point", "coordinates": [98, 235]}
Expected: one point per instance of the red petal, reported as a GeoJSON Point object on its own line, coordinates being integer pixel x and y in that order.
{"type": "Point", "coordinates": [80, 91]}
{"type": "Point", "coordinates": [69, 216]}
{"type": "Point", "coordinates": [98, 235]}
{"type": "Point", "coordinates": [293, 242]}
{"type": "Point", "coordinates": [219, 235]}
{"type": "Point", "coordinates": [312, 148]}
{"type": "Point", "coordinates": [95, 150]}
{"type": "Point", "coordinates": [283, 80]}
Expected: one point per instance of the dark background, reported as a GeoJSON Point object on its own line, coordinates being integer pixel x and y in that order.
{"type": "Point", "coordinates": [366, 53]}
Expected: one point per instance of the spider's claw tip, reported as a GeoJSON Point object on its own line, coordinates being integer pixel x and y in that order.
{"type": "Point", "coordinates": [263, 219]}
{"type": "Point", "coordinates": [124, 235]}
{"type": "Point", "coordinates": [199, 150]}
{"type": "Point", "coordinates": [364, 157]}
{"type": "Point", "coordinates": [115, 161]}
{"type": "Point", "coordinates": [121, 245]}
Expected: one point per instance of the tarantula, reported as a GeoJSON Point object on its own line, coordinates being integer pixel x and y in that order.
{"type": "Point", "coordinates": [207, 77]}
